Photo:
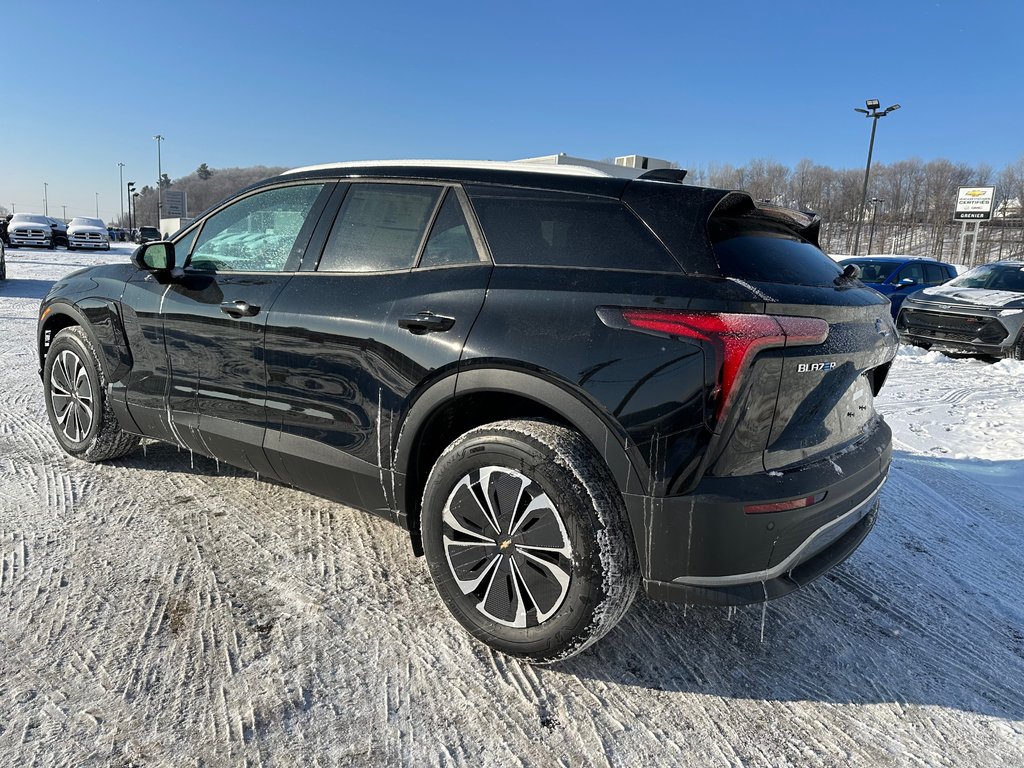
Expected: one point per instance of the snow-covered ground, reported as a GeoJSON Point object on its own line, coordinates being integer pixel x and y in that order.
{"type": "Point", "coordinates": [153, 612]}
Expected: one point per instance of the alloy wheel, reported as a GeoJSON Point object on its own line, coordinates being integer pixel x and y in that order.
{"type": "Point", "coordinates": [71, 396]}
{"type": "Point", "coordinates": [506, 546]}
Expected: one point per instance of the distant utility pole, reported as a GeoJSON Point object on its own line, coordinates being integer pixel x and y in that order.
{"type": "Point", "coordinates": [159, 179]}
{"type": "Point", "coordinates": [97, 205]}
{"type": "Point", "coordinates": [65, 207]}
{"type": "Point", "coordinates": [46, 209]}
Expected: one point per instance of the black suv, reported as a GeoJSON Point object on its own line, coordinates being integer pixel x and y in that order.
{"type": "Point", "coordinates": [148, 234]}
{"type": "Point", "coordinates": [562, 384]}
{"type": "Point", "coordinates": [60, 232]}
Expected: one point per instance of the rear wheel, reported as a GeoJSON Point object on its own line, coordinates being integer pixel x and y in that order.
{"type": "Point", "coordinates": [75, 390]}
{"type": "Point", "coordinates": [527, 541]}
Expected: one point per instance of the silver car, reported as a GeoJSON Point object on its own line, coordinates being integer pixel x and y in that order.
{"type": "Point", "coordinates": [980, 312]}
{"type": "Point", "coordinates": [84, 232]}
{"type": "Point", "coordinates": [30, 229]}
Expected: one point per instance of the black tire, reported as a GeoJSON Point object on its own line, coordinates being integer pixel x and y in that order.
{"type": "Point", "coordinates": [75, 390]}
{"type": "Point", "coordinates": [544, 484]}
{"type": "Point", "coordinates": [1017, 353]}
{"type": "Point", "coordinates": [3, 268]}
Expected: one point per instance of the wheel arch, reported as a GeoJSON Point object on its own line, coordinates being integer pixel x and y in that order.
{"type": "Point", "coordinates": [101, 321]}
{"type": "Point", "coordinates": [458, 403]}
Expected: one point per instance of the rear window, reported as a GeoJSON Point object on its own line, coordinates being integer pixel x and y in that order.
{"type": "Point", "coordinates": [543, 228]}
{"type": "Point", "coordinates": [763, 252]}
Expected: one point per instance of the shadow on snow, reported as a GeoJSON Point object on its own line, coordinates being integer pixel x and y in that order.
{"type": "Point", "coordinates": [909, 619]}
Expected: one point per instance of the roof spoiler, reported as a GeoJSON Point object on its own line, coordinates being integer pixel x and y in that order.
{"type": "Point", "coordinates": [740, 204]}
{"type": "Point", "coordinates": [675, 175]}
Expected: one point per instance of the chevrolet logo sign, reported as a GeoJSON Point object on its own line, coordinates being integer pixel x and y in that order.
{"type": "Point", "coordinates": [975, 192]}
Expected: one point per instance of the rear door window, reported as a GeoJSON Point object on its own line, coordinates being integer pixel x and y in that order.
{"type": "Point", "coordinates": [935, 274]}
{"type": "Point", "coordinates": [450, 242]}
{"type": "Point", "coordinates": [543, 228]}
{"type": "Point", "coordinates": [379, 228]}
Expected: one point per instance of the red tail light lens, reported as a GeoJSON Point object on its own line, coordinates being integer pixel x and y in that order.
{"type": "Point", "coordinates": [782, 506]}
{"type": "Point", "coordinates": [733, 338]}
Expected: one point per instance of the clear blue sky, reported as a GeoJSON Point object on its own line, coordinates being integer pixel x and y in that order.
{"type": "Point", "coordinates": [88, 83]}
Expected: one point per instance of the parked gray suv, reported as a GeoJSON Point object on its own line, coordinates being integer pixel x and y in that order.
{"type": "Point", "coordinates": [980, 312]}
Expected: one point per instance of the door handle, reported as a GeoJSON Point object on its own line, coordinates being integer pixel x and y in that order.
{"type": "Point", "coordinates": [425, 322]}
{"type": "Point", "coordinates": [239, 308]}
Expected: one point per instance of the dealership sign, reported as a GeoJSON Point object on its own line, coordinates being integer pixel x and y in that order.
{"type": "Point", "coordinates": [175, 204]}
{"type": "Point", "coordinates": [974, 203]}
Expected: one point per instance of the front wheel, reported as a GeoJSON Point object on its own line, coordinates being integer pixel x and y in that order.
{"type": "Point", "coordinates": [1017, 353]}
{"type": "Point", "coordinates": [74, 387]}
{"type": "Point", "coordinates": [527, 540]}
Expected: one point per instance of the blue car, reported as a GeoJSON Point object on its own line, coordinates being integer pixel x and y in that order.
{"type": "Point", "coordinates": [899, 276]}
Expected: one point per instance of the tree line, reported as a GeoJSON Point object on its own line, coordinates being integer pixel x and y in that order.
{"type": "Point", "coordinates": [204, 187]}
{"type": "Point", "coordinates": [910, 207]}
{"type": "Point", "coordinates": [910, 203]}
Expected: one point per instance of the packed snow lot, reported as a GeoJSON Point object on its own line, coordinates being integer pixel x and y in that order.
{"type": "Point", "coordinates": [159, 610]}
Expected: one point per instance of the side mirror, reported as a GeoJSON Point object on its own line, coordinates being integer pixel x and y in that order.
{"type": "Point", "coordinates": [154, 256]}
{"type": "Point", "coordinates": [906, 282]}
{"type": "Point", "coordinates": [851, 271]}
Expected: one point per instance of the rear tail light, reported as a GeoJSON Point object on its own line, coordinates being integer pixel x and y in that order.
{"type": "Point", "coordinates": [732, 339]}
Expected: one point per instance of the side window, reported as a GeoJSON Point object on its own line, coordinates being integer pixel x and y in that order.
{"type": "Point", "coordinates": [544, 228]}
{"type": "Point", "coordinates": [450, 241]}
{"type": "Point", "coordinates": [182, 246]}
{"type": "Point", "coordinates": [935, 274]}
{"type": "Point", "coordinates": [257, 233]}
{"type": "Point", "coordinates": [914, 271]}
{"type": "Point", "coordinates": [379, 228]}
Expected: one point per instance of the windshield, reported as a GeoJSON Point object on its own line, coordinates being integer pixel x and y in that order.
{"type": "Point", "coordinates": [996, 277]}
{"type": "Point", "coordinates": [30, 218]}
{"type": "Point", "coordinates": [83, 221]}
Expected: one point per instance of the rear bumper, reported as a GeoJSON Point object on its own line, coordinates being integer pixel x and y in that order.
{"type": "Point", "coordinates": [704, 548]}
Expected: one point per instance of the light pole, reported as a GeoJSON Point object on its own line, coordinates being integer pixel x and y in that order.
{"type": "Point", "coordinates": [874, 214]}
{"type": "Point", "coordinates": [46, 204]}
{"type": "Point", "coordinates": [97, 204]}
{"type": "Point", "coordinates": [131, 189]}
{"type": "Point", "coordinates": [65, 207]}
{"type": "Point", "coordinates": [874, 114]}
{"type": "Point", "coordinates": [120, 175]}
{"type": "Point", "coordinates": [159, 179]}
{"type": "Point", "coordinates": [135, 198]}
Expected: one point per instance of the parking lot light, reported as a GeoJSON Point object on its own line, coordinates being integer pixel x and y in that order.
{"type": "Point", "coordinates": [159, 179]}
{"type": "Point", "coordinates": [873, 112]}
{"type": "Point", "coordinates": [120, 173]}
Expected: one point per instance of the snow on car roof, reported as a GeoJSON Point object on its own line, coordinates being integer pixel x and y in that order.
{"type": "Point", "coordinates": [498, 165]}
